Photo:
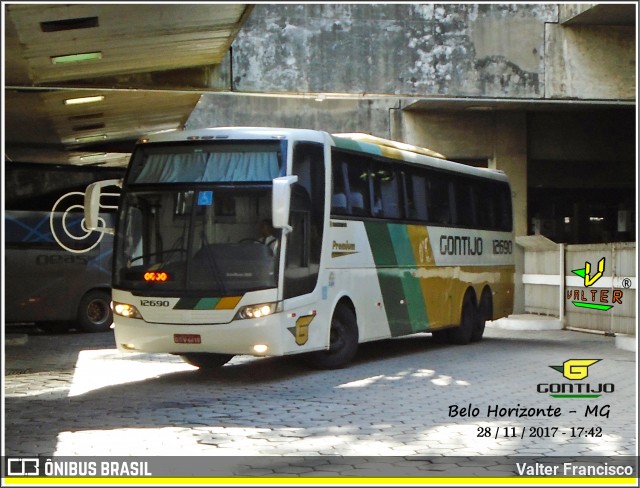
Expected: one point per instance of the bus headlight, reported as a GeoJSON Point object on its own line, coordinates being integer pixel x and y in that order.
{"type": "Point", "coordinates": [257, 311]}
{"type": "Point", "coordinates": [126, 310]}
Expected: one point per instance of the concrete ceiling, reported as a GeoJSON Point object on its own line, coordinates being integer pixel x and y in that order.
{"type": "Point", "coordinates": [151, 64]}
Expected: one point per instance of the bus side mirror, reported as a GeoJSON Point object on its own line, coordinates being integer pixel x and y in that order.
{"type": "Point", "coordinates": [281, 201]}
{"type": "Point", "coordinates": [92, 205]}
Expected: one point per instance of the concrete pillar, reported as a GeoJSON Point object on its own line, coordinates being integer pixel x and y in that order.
{"type": "Point", "coordinates": [510, 156]}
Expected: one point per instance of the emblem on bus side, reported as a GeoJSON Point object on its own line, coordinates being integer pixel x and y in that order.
{"type": "Point", "coordinates": [301, 329]}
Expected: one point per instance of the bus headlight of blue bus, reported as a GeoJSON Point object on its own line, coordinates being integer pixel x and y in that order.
{"type": "Point", "coordinates": [126, 310]}
{"type": "Point", "coordinates": [258, 310]}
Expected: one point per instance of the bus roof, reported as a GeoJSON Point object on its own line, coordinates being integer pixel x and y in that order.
{"type": "Point", "coordinates": [412, 154]}
{"type": "Point", "coordinates": [379, 141]}
{"type": "Point", "coordinates": [230, 133]}
{"type": "Point", "coordinates": [359, 142]}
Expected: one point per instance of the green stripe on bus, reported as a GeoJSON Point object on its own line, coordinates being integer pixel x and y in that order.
{"type": "Point", "coordinates": [410, 283]}
{"type": "Point", "coordinates": [352, 145]}
{"type": "Point", "coordinates": [207, 304]}
{"type": "Point", "coordinates": [391, 283]}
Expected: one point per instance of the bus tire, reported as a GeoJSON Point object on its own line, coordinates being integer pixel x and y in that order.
{"type": "Point", "coordinates": [462, 334]}
{"type": "Point", "coordinates": [343, 342]}
{"type": "Point", "coordinates": [206, 360]}
{"type": "Point", "coordinates": [485, 312]}
{"type": "Point", "coordinates": [440, 336]}
{"type": "Point", "coordinates": [94, 311]}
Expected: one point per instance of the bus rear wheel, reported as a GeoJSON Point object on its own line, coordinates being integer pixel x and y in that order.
{"type": "Point", "coordinates": [205, 360]}
{"type": "Point", "coordinates": [463, 333]}
{"type": "Point", "coordinates": [343, 341]}
{"type": "Point", "coordinates": [484, 313]}
{"type": "Point", "coordinates": [94, 311]}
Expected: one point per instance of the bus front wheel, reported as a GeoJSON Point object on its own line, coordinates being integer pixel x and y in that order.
{"type": "Point", "coordinates": [94, 312]}
{"type": "Point", "coordinates": [343, 341]}
{"type": "Point", "coordinates": [205, 360]}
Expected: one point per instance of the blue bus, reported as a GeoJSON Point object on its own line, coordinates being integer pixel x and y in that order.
{"type": "Point", "coordinates": [57, 274]}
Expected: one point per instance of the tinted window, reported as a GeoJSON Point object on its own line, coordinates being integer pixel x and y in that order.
{"type": "Point", "coordinates": [465, 209]}
{"type": "Point", "coordinates": [439, 199]}
{"type": "Point", "coordinates": [386, 192]}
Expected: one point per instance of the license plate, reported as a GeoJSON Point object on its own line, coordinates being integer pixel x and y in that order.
{"type": "Point", "coordinates": [187, 338]}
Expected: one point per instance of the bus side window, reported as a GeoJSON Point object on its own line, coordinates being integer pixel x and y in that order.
{"type": "Point", "coordinates": [439, 199]}
{"type": "Point", "coordinates": [465, 214]}
{"type": "Point", "coordinates": [503, 196]}
{"type": "Point", "coordinates": [386, 194]}
{"type": "Point", "coordinates": [339, 190]}
{"type": "Point", "coordinates": [358, 195]}
{"type": "Point", "coordinates": [487, 199]}
{"type": "Point", "coordinates": [415, 197]}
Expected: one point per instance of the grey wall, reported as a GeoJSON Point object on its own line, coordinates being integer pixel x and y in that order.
{"type": "Point", "coordinates": [492, 50]}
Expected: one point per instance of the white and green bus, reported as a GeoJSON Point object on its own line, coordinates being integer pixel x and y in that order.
{"type": "Point", "coordinates": [375, 239]}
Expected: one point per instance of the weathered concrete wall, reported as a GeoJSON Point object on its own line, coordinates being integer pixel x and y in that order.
{"type": "Point", "coordinates": [493, 50]}
{"type": "Point", "coordinates": [590, 62]}
{"type": "Point", "coordinates": [458, 136]}
{"type": "Point", "coordinates": [214, 110]}
{"type": "Point", "coordinates": [569, 12]}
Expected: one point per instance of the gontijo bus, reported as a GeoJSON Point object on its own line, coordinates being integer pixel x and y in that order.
{"type": "Point", "coordinates": [376, 239]}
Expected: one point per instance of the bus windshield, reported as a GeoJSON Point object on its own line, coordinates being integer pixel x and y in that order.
{"type": "Point", "coordinates": [200, 240]}
{"type": "Point", "coordinates": [193, 162]}
{"type": "Point", "coordinates": [193, 219]}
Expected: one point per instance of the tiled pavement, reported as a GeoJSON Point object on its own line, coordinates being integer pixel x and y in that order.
{"type": "Point", "coordinates": [75, 395]}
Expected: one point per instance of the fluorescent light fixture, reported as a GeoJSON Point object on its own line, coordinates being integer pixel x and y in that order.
{"type": "Point", "coordinates": [78, 101]}
{"type": "Point", "coordinates": [76, 58]}
{"type": "Point", "coordinates": [100, 137]}
{"type": "Point", "coordinates": [480, 108]}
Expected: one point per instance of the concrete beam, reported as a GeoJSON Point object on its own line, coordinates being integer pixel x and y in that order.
{"type": "Point", "coordinates": [590, 62]}
{"type": "Point", "coordinates": [371, 116]}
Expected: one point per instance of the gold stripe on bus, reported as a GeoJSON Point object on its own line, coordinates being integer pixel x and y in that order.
{"type": "Point", "coordinates": [228, 303]}
{"type": "Point", "coordinates": [435, 282]}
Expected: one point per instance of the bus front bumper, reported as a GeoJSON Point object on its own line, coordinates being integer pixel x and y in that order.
{"type": "Point", "coordinates": [257, 337]}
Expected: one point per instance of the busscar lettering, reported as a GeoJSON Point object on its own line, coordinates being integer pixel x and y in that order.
{"type": "Point", "coordinates": [460, 245]}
